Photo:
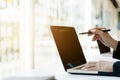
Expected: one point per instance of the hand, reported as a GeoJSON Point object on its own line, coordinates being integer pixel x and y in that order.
{"type": "Point", "coordinates": [104, 66]}
{"type": "Point", "coordinates": [104, 37]}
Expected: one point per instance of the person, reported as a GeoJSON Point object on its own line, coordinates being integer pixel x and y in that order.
{"type": "Point", "coordinates": [106, 39]}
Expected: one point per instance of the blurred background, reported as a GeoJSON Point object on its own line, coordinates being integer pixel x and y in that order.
{"type": "Point", "coordinates": [26, 41]}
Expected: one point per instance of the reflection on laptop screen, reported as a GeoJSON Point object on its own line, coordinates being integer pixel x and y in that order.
{"type": "Point", "coordinates": [68, 46]}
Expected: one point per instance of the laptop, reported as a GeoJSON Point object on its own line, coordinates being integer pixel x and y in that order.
{"type": "Point", "coordinates": [70, 51]}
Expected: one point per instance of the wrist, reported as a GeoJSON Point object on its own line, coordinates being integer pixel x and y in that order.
{"type": "Point", "coordinates": [114, 44]}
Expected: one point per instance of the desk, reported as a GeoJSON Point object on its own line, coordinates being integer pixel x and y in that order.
{"type": "Point", "coordinates": [56, 69]}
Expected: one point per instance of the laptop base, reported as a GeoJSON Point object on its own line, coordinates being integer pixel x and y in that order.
{"type": "Point", "coordinates": [99, 74]}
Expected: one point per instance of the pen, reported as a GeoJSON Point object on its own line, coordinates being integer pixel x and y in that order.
{"type": "Point", "coordinates": [105, 30]}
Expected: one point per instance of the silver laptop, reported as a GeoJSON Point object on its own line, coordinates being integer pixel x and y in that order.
{"type": "Point", "coordinates": [70, 50]}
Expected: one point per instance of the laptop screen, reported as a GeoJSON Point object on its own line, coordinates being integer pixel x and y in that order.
{"type": "Point", "coordinates": [68, 46]}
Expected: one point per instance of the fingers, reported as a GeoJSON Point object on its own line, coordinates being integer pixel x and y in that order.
{"type": "Point", "coordinates": [96, 37]}
{"type": "Point", "coordinates": [98, 34]}
{"type": "Point", "coordinates": [92, 69]}
{"type": "Point", "coordinates": [96, 31]}
{"type": "Point", "coordinates": [90, 66]}
{"type": "Point", "coordinates": [98, 66]}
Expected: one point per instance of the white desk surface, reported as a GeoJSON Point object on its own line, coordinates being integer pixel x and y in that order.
{"type": "Point", "coordinates": [56, 69]}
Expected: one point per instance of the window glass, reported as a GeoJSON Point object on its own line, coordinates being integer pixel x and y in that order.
{"type": "Point", "coordinates": [9, 37]}
{"type": "Point", "coordinates": [53, 12]}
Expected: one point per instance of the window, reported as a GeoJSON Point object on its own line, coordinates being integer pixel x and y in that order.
{"type": "Point", "coordinates": [53, 12]}
{"type": "Point", "coordinates": [9, 37]}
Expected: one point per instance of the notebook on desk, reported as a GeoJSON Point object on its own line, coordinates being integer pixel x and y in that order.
{"type": "Point", "coordinates": [70, 50]}
{"type": "Point", "coordinates": [104, 50]}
